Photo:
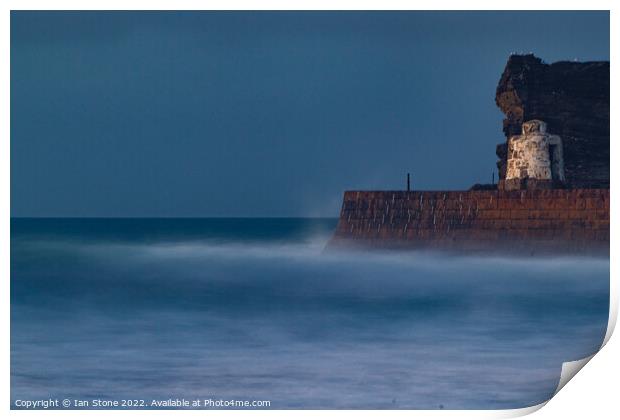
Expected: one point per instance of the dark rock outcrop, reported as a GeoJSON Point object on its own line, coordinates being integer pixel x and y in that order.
{"type": "Point", "coordinates": [567, 214]}
{"type": "Point", "coordinates": [573, 99]}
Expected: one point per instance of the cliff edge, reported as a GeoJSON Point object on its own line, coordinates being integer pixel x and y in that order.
{"type": "Point", "coordinates": [553, 190]}
{"type": "Point", "coordinates": [573, 99]}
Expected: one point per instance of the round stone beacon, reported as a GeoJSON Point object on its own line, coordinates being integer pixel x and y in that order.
{"type": "Point", "coordinates": [535, 158]}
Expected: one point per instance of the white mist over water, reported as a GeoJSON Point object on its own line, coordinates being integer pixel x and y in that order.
{"type": "Point", "coordinates": [282, 320]}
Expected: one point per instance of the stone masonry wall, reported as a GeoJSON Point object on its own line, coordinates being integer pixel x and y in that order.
{"type": "Point", "coordinates": [528, 221]}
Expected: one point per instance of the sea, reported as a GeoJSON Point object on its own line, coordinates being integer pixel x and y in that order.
{"type": "Point", "coordinates": [260, 311]}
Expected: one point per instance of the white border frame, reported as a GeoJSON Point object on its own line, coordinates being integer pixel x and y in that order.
{"type": "Point", "coordinates": [593, 394]}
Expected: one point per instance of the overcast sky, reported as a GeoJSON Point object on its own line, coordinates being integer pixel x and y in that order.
{"type": "Point", "coordinates": [128, 114]}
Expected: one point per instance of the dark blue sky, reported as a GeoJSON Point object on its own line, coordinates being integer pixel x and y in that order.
{"type": "Point", "coordinates": [262, 114]}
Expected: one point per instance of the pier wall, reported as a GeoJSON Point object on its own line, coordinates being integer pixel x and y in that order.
{"type": "Point", "coordinates": [527, 221]}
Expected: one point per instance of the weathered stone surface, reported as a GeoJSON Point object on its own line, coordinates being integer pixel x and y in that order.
{"type": "Point", "coordinates": [535, 158]}
{"type": "Point", "coordinates": [528, 222]}
{"type": "Point", "coordinates": [573, 99]}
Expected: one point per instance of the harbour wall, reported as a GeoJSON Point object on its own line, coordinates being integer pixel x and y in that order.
{"type": "Point", "coordinates": [543, 221]}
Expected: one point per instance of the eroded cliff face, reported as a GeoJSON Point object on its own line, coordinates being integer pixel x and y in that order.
{"type": "Point", "coordinates": [572, 98]}
{"type": "Point", "coordinates": [560, 155]}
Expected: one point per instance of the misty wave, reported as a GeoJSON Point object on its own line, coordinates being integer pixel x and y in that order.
{"type": "Point", "coordinates": [241, 261]}
{"type": "Point", "coordinates": [284, 320]}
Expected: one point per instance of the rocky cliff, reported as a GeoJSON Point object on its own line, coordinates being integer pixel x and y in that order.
{"type": "Point", "coordinates": [573, 99]}
{"type": "Point", "coordinates": [568, 104]}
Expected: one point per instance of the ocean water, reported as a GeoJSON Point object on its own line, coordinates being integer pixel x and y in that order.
{"type": "Point", "coordinates": [255, 309]}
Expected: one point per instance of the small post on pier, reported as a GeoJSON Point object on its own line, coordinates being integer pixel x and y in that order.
{"type": "Point", "coordinates": [493, 178]}
{"type": "Point", "coordinates": [408, 182]}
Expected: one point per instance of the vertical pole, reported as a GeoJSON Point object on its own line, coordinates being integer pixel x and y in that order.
{"type": "Point", "coordinates": [408, 182]}
{"type": "Point", "coordinates": [493, 178]}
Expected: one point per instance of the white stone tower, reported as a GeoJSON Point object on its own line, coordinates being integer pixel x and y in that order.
{"type": "Point", "coordinates": [535, 158]}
